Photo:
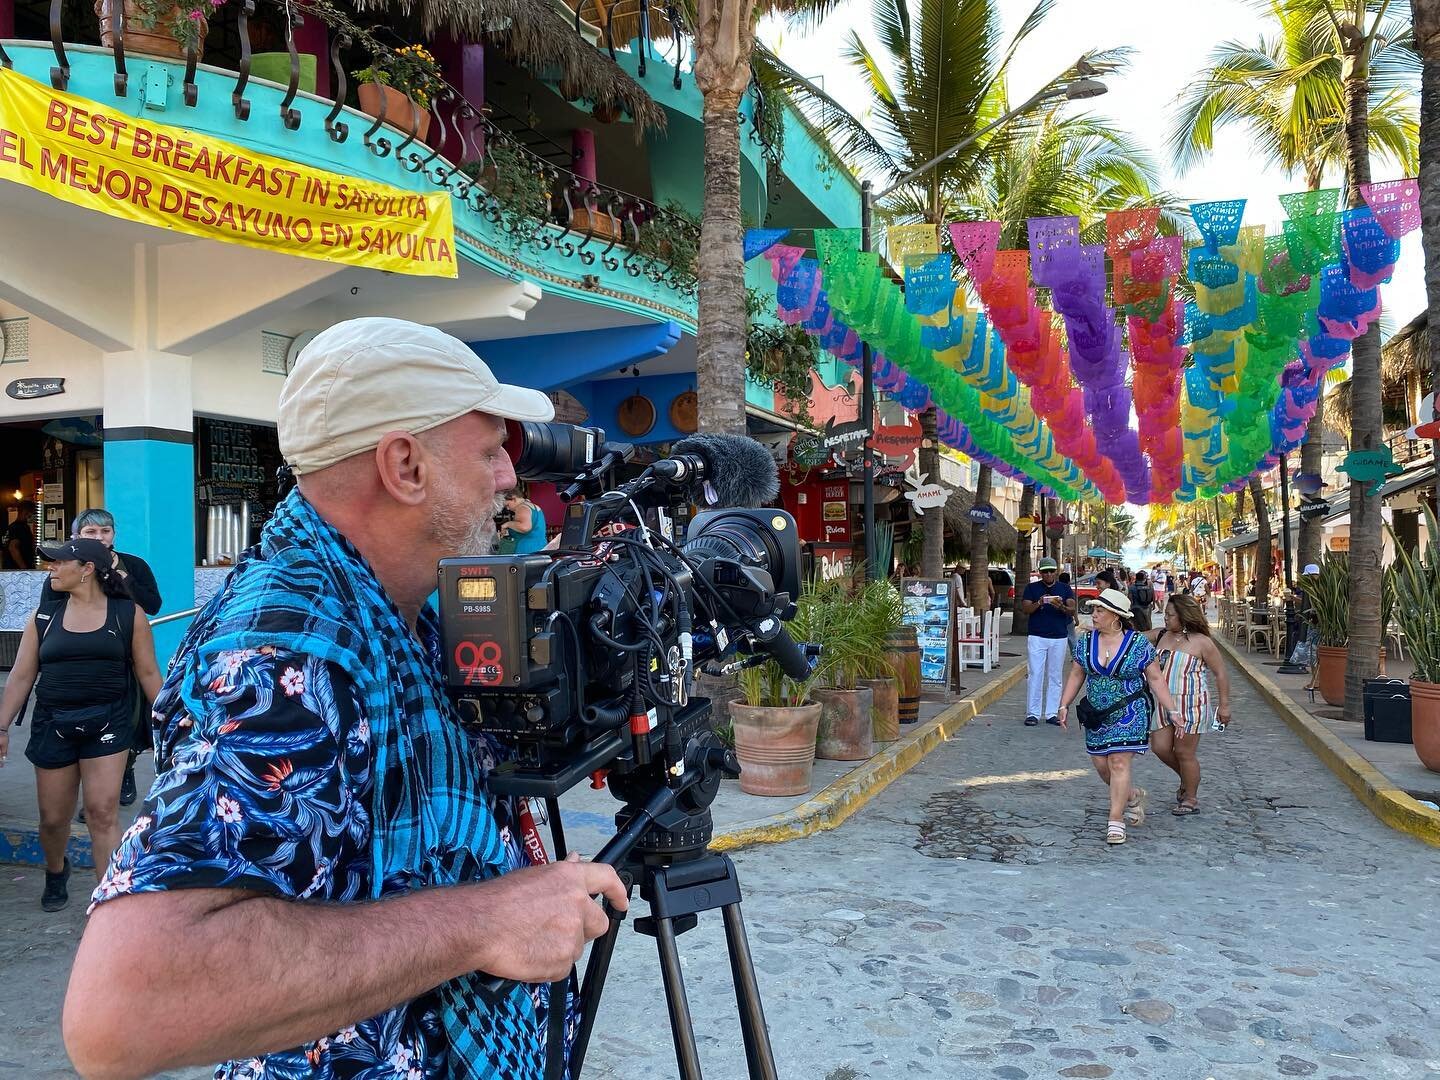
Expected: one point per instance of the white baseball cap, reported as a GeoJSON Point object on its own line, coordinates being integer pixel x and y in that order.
{"type": "Point", "coordinates": [363, 378]}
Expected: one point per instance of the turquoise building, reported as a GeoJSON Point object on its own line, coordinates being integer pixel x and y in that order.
{"type": "Point", "coordinates": [143, 363]}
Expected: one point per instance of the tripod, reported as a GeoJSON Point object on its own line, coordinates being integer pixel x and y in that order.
{"type": "Point", "coordinates": [664, 828]}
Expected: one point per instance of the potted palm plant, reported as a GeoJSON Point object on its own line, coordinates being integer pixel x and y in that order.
{"type": "Point", "coordinates": [774, 726]}
{"type": "Point", "coordinates": [885, 614]}
{"type": "Point", "coordinates": [853, 652]}
{"type": "Point", "coordinates": [1417, 611]}
{"type": "Point", "coordinates": [1329, 593]}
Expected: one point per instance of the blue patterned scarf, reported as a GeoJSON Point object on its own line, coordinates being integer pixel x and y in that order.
{"type": "Point", "coordinates": [306, 589]}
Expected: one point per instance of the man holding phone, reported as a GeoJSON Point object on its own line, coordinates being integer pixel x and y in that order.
{"type": "Point", "coordinates": [1051, 605]}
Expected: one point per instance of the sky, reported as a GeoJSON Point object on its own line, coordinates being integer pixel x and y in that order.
{"type": "Point", "coordinates": [1171, 41]}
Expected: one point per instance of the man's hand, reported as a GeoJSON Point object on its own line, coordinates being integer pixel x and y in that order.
{"type": "Point", "coordinates": [547, 914]}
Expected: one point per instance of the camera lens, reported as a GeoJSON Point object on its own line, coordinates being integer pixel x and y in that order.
{"type": "Point", "coordinates": [551, 452]}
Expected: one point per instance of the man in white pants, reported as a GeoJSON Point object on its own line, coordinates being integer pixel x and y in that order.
{"type": "Point", "coordinates": [1050, 604]}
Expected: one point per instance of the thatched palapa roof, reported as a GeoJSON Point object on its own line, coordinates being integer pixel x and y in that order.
{"type": "Point", "coordinates": [541, 39]}
{"type": "Point", "coordinates": [1002, 534]}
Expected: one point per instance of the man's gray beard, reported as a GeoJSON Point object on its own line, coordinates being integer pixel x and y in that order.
{"type": "Point", "coordinates": [480, 540]}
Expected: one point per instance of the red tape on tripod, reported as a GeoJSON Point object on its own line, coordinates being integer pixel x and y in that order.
{"type": "Point", "coordinates": [530, 834]}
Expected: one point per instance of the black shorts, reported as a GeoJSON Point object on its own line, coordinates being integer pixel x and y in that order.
{"type": "Point", "coordinates": [60, 738]}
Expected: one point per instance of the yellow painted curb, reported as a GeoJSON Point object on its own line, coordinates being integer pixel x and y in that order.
{"type": "Point", "coordinates": [1392, 805]}
{"type": "Point", "coordinates": [837, 801]}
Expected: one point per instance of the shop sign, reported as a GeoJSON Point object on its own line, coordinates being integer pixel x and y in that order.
{"type": "Point", "coordinates": [898, 441]}
{"type": "Point", "coordinates": [927, 496]}
{"type": "Point", "coordinates": [842, 437]}
{"type": "Point", "coordinates": [52, 494]}
{"type": "Point", "coordinates": [1025, 525]}
{"type": "Point", "coordinates": [834, 563]}
{"type": "Point", "coordinates": [230, 461]}
{"type": "Point", "coordinates": [174, 178]}
{"type": "Point", "coordinates": [890, 478]}
{"type": "Point", "coordinates": [1339, 543]}
{"type": "Point", "coordinates": [1205, 529]}
{"type": "Point", "coordinates": [835, 512]}
{"type": "Point", "coordinates": [982, 513]}
{"type": "Point", "coordinates": [30, 389]}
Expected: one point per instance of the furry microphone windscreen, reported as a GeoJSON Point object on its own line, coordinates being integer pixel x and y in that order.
{"type": "Point", "coordinates": [740, 471]}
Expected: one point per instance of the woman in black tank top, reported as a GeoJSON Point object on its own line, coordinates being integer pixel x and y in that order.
{"type": "Point", "coordinates": [77, 654]}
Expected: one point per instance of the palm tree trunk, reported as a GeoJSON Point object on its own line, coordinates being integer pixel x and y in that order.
{"type": "Point", "coordinates": [1263, 560]}
{"type": "Point", "coordinates": [1019, 621]}
{"type": "Point", "coordinates": [1426, 15]}
{"type": "Point", "coordinates": [932, 557]}
{"type": "Point", "coordinates": [978, 582]}
{"type": "Point", "coordinates": [720, 359]}
{"type": "Point", "coordinates": [1366, 539]}
{"type": "Point", "coordinates": [1307, 542]}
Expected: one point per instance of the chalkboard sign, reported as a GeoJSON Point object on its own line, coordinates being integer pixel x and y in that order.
{"type": "Point", "coordinates": [927, 608]}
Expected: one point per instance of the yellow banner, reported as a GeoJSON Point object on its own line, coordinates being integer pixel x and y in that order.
{"type": "Point", "coordinates": [81, 152]}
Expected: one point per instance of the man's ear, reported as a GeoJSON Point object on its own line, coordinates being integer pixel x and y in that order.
{"type": "Point", "coordinates": [403, 467]}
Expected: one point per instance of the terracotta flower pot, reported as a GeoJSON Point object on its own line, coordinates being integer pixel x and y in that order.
{"type": "Point", "coordinates": [1425, 723]}
{"type": "Point", "coordinates": [776, 747]}
{"type": "Point", "coordinates": [885, 714]}
{"type": "Point", "coordinates": [400, 112]}
{"type": "Point", "coordinates": [1332, 674]}
{"type": "Point", "coordinates": [846, 727]}
{"type": "Point", "coordinates": [145, 41]}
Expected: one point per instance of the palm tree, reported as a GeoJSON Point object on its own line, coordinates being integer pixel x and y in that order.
{"type": "Point", "coordinates": [937, 79]}
{"type": "Point", "coordinates": [1426, 15]}
{"type": "Point", "coordinates": [1286, 92]}
{"type": "Point", "coordinates": [1019, 621]}
{"type": "Point", "coordinates": [724, 43]}
{"type": "Point", "coordinates": [1263, 562]}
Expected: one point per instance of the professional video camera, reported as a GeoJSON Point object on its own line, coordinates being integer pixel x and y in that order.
{"type": "Point", "coordinates": [581, 663]}
{"type": "Point", "coordinates": [584, 659]}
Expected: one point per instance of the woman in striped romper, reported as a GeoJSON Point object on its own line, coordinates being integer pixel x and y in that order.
{"type": "Point", "coordinates": [1188, 657]}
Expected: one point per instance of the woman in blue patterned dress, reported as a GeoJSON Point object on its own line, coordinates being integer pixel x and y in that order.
{"type": "Point", "coordinates": [1114, 664]}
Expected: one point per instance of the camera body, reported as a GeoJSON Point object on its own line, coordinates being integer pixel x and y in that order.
{"type": "Point", "coordinates": [583, 659]}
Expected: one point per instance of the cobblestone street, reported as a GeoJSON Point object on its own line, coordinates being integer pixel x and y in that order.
{"type": "Point", "coordinates": [971, 923]}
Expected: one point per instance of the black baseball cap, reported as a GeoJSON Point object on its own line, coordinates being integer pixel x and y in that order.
{"type": "Point", "coordinates": [81, 549]}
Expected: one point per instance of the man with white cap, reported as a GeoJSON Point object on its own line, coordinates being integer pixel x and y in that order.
{"type": "Point", "coordinates": [318, 875]}
{"type": "Point", "coordinates": [1050, 604]}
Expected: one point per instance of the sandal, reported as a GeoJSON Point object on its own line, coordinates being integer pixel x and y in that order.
{"type": "Point", "coordinates": [1115, 833]}
{"type": "Point", "coordinates": [1186, 808]}
{"type": "Point", "coordinates": [1135, 811]}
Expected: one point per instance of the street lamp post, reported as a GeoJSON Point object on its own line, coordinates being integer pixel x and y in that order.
{"type": "Point", "coordinates": [1083, 86]}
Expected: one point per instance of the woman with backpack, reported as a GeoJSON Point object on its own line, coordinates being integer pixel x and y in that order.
{"type": "Point", "coordinates": [1142, 601]}
{"type": "Point", "coordinates": [77, 653]}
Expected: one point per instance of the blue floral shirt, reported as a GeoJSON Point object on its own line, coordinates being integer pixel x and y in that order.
{"type": "Point", "coordinates": [269, 791]}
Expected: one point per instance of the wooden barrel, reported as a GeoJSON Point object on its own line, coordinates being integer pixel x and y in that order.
{"type": "Point", "coordinates": [903, 652]}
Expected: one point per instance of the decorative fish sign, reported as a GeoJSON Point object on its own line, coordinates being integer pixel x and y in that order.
{"type": "Point", "coordinates": [1374, 466]}
{"type": "Point", "coordinates": [900, 441]}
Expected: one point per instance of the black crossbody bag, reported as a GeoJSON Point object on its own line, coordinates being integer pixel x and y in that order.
{"type": "Point", "coordinates": [1090, 717]}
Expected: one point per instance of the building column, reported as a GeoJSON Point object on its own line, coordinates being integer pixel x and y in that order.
{"type": "Point", "coordinates": [312, 36]}
{"type": "Point", "coordinates": [582, 149]}
{"type": "Point", "coordinates": [463, 66]}
{"type": "Point", "coordinates": [150, 474]}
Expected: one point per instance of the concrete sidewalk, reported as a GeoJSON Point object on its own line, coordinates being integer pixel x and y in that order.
{"type": "Point", "coordinates": [1387, 777]}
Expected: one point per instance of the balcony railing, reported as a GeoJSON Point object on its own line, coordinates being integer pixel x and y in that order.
{"type": "Point", "coordinates": [582, 219]}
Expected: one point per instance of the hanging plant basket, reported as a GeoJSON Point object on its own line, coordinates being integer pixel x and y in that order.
{"type": "Point", "coordinates": [400, 111]}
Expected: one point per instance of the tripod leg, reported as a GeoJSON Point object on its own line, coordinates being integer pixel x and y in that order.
{"type": "Point", "coordinates": [595, 971]}
{"type": "Point", "coordinates": [758, 1054]}
{"type": "Point", "coordinates": [686, 1054]}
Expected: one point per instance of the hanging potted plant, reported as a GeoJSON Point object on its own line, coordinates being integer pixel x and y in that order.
{"type": "Point", "coordinates": [884, 614]}
{"type": "Point", "coordinates": [162, 28]}
{"type": "Point", "coordinates": [774, 726]}
{"type": "Point", "coordinates": [1329, 593]}
{"type": "Point", "coordinates": [405, 80]}
{"type": "Point", "coordinates": [1417, 611]}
